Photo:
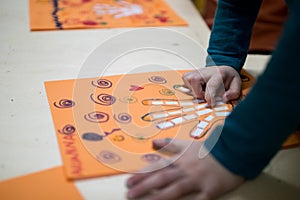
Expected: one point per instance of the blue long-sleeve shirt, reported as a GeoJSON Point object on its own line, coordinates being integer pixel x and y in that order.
{"type": "Point", "coordinates": [258, 126]}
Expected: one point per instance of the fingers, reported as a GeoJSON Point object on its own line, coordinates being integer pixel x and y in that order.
{"type": "Point", "coordinates": [194, 81]}
{"type": "Point", "coordinates": [149, 183]}
{"type": "Point", "coordinates": [174, 191]}
{"type": "Point", "coordinates": [169, 145]}
{"type": "Point", "coordinates": [234, 89]}
{"type": "Point", "coordinates": [214, 89]}
{"type": "Point", "coordinates": [135, 179]}
{"type": "Point", "coordinates": [148, 172]}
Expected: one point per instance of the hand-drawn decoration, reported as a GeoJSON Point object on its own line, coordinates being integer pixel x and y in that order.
{"type": "Point", "coordinates": [118, 138]}
{"type": "Point", "coordinates": [92, 136]}
{"type": "Point", "coordinates": [128, 99]}
{"type": "Point", "coordinates": [162, 17]}
{"type": "Point", "coordinates": [103, 99]}
{"type": "Point", "coordinates": [108, 157]}
{"type": "Point", "coordinates": [166, 92]}
{"type": "Point", "coordinates": [120, 10]}
{"type": "Point", "coordinates": [151, 157]}
{"type": "Point", "coordinates": [135, 88]}
{"type": "Point", "coordinates": [123, 118]}
{"type": "Point", "coordinates": [102, 83]}
{"type": "Point", "coordinates": [112, 131]}
{"type": "Point", "coordinates": [64, 103]}
{"type": "Point", "coordinates": [182, 89]}
{"type": "Point", "coordinates": [186, 111]}
{"type": "Point", "coordinates": [67, 129]}
{"type": "Point", "coordinates": [58, 24]}
{"type": "Point", "coordinates": [157, 79]}
{"type": "Point", "coordinates": [140, 138]}
{"type": "Point", "coordinates": [201, 129]}
{"type": "Point", "coordinates": [97, 117]}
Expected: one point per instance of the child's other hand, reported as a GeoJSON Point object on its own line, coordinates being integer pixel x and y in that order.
{"type": "Point", "coordinates": [188, 174]}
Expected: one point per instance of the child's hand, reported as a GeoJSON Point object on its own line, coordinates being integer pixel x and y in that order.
{"type": "Point", "coordinates": [205, 178]}
{"type": "Point", "coordinates": [211, 82]}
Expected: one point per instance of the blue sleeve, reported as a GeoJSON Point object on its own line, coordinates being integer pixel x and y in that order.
{"type": "Point", "coordinates": [231, 32]}
{"type": "Point", "coordinates": [258, 126]}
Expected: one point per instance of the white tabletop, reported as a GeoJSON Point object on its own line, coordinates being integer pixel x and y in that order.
{"type": "Point", "coordinates": [27, 59]}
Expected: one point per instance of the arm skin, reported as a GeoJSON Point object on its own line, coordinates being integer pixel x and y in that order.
{"type": "Point", "coordinates": [255, 130]}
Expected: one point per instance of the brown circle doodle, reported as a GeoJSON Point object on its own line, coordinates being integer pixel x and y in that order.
{"type": "Point", "coordinates": [166, 92]}
{"type": "Point", "coordinates": [103, 99]}
{"type": "Point", "coordinates": [64, 103]}
{"type": "Point", "coordinates": [97, 117]}
{"type": "Point", "coordinates": [108, 157]}
{"type": "Point", "coordinates": [128, 99]}
{"type": "Point", "coordinates": [151, 157]}
{"type": "Point", "coordinates": [67, 129]}
{"type": "Point", "coordinates": [118, 138]}
{"type": "Point", "coordinates": [102, 83]}
{"type": "Point", "coordinates": [157, 79]}
{"type": "Point", "coordinates": [123, 118]}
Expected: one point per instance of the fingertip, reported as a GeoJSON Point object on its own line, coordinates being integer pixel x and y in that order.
{"type": "Point", "coordinates": [130, 182]}
{"type": "Point", "coordinates": [230, 95]}
{"type": "Point", "coordinates": [160, 143]}
{"type": "Point", "coordinates": [130, 195]}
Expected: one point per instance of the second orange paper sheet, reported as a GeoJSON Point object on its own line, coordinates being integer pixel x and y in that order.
{"type": "Point", "coordinates": [78, 14]}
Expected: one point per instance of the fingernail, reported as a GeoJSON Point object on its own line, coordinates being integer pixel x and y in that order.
{"type": "Point", "coordinates": [128, 185]}
{"type": "Point", "coordinates": [130, 195]}
{"type": "Point", "coordinates": [168, 140]}
{"type": "Point", "coordinates": [160, 143]}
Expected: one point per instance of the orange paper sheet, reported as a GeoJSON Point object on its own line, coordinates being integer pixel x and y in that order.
{"type": "Point", "coordinates": [47, 185]}
{"type": "Point", "coordinates": [106, 125]}
{"type": "Point", "coordinates": [79, 14]}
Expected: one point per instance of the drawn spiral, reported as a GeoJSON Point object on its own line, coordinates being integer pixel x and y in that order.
{"type": "Point", "coordinates": [166, 92]}
{"type": "Point", "coordinates": [67, 129]}
{"type": "Point", "coordinates": [128, 99]}
{"type": "Point", "coordinates": [151, 157]}
{"type": "Point", "coordinates": [102, 83]}
{"type": "Point", "coordinates": [157, 79]}
{"type": "Point", "coordinates": [123, 118]}
{"type": "Point", "coordinates": [64, 103]}
{"type": "Point", "coordinates": [97, 117]}
{"type": "Point", "coordinates": [103, 99]}
{"type": "Point", "coordinates": [108, 157]}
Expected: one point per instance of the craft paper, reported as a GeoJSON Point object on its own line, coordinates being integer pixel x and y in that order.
{"type": "Point", "coordinates": [47, 185]}
{"type": "Point", "coordinates": [78, 14]}
{"type": "Point", "coordinates": [106, 125]}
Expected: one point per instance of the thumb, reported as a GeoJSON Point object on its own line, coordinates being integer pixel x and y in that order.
{"type": "Point", "coordinates": [169, 145]}
{"type": "Point", "coordinates": [234, 90]}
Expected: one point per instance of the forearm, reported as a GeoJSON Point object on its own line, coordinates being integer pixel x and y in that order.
{"type": "Point", "coordinates": [255, 130]}
{"type": "Point", "coordinates": [231, 32]}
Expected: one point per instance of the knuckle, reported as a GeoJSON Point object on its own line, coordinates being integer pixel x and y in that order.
{"type": "Point", "coordinates": [164, 175]}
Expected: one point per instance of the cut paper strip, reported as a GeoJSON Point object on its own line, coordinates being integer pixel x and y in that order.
{"type": "Point", "coordinates": [81, 14]}
{"type": "Point", "coordinates": [101, 140]}
{"type": "Point", "coordinates": [47, 185]}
